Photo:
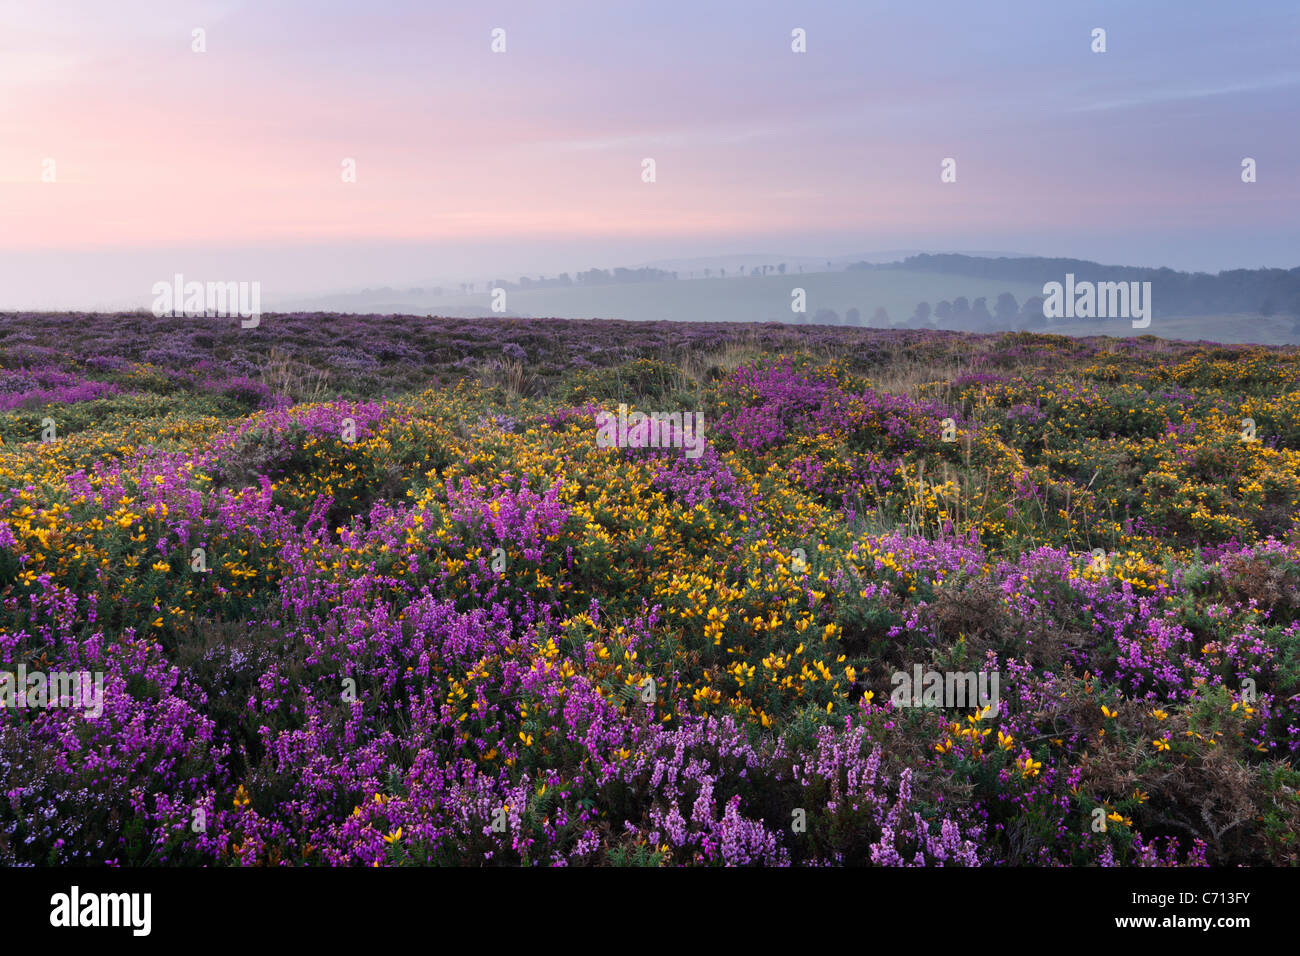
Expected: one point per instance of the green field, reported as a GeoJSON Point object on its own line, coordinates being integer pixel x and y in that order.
{"type": "Point", "coordinates": [1236, 329]}
{"type": "Point", "coordinates": [747, 299]}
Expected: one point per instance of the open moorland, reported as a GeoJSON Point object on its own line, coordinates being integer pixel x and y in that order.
{"type": "Point", "coordinates": [368, 590]}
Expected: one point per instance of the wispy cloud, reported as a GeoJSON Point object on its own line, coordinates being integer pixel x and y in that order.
{"type": "Point", "coordinates": [1172, 94]}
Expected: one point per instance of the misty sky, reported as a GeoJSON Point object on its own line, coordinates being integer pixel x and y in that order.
{"type": "Point", "coordinates": [226, 164]}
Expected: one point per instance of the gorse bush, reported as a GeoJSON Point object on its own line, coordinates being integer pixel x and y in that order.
{"type": "Point", "coordinates": [367, 590]}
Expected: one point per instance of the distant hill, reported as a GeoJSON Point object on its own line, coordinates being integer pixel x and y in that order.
{"type": "Point", "coordinates": [752, 261]}
{"type": "Point", "coordinates": [831, 298]}
{"type": "Point", "coordinates": [946, 291]}
{"type": "Point", "coordinates": [1265, 292]}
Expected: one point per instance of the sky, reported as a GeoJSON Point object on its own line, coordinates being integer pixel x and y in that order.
{"type": "Point", "coordinates": [228, 164]}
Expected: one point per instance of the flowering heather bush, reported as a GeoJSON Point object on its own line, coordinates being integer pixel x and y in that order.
{"type": "Point", "coordinates": [21, 388]}
{"type": "Point", "coordinates": [428, 619]}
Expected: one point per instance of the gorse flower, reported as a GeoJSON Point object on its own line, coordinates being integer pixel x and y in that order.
{"type": "Point", "coordinates": [427, 620]}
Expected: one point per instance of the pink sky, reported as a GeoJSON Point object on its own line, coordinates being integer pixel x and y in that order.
{"type": "Point", "coordinates": [157, 147]}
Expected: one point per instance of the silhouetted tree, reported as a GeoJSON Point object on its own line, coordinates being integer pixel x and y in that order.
{"type": "Point", "coordinates": [961, 314]}
{"type": "Point", "coordinates": [1007, 308]}
{"type": "Point", "coordinates": [853, 317]}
